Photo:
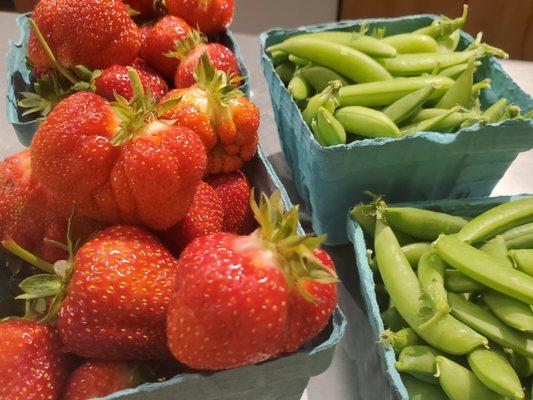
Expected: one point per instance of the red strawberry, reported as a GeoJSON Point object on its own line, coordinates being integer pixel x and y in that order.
{"type": "Point", "coordinates": [211, 16]}
{"type": "Point", "coordinates": [32, 363]}
{"type": "Point", "coordinates": [115, 79]}
{"type": "Point", "coordinates": [225, 120]}
{"type": "Point", "coordinates": [146, 9]}
{"type": "Point", "coordinates": [205, 216]}
{"type": "Point", "coordinates": [239, 299]}
{"type": "Point", "coordinates": [234, 190]}
{"type": "Point", "coordinates": [120, 163]}
{"type": "Point", "coordinates": [161, 39]}
{"type": "Point", "coordinates": [99, 378]}
{"type": "Point", "coordinates": [93, 33]}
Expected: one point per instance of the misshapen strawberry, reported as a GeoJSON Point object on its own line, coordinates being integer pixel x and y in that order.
{"type": "Point", "coordinates": [211, 16]}
{"type": "Point", "coordinates": [93, 33]}
{"type": "Point", "coordinates": [33, 365]}
{"type": "Point", "coordinates": [225, 120]}
{"type": "Point", "coordinates": [244, 299]}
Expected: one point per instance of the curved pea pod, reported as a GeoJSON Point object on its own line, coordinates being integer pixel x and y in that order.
{"type": "Point", "coordinates": [409, 43]}
{"type": "Point", "coordinates": [446, 333]}
{"type": "Point", "coordinates": [423, 224]}
{"type": "Point", "coordinates": [320, 77]}
{"type": "Point", "coordinates": [523, 259]}
{"type": "Point", "coordinates": [279, 57]}
{"type": "Point", "coordinates": [495, 111]}
{"type": "Point", "coordinates": [449, 123]}
{"type": "Point", "coordinates": [419, 390]}
{"type": "Point", "coordinates": [428, 124]}
{"type": "Point", "coordinates": [521, 364]}
{"type": "Point", "coordinates": [331, 130]}
{"type": "Point", "coordinates": [449, 43]}
{"type": "Point", "coordinates": [520, 237]}
{"type": "Point", "coordinates": [298, 87]}
{"type": "Point", "coordinates": [513, 312]}
{"type": "Point", "coordinates": [317, 134]}
{"type": "Point", "coordinates": [444, 26]}
{"type": "Point", "coordinates": [301, 62]}
{"type": "Point", "coordinates": [385, 93]}
{"type": "Point", "coordinates": [349, 62]}
{"type": "Point", "coordinates": [459, 383]}
{"type": "Point", "coordinates": [430, 273]}
{"type": "Point", "coordinates": [487, 324]}
{"type": "Point", "coordinates": [393, 320]}
{"type": "Point", "coordinates": [414, 251]}
{"type": "Point", "coordinates": [285, 71]}
{"type": "Point", "coordinates": [405, 107]}
{"type": "Point", "coordinates": [485, 269]}
{"type": "Point", "coordinates": [457, 282]}
{"type": "Point", "coordinates": [497, 248]}
{"type": "Point", "coordinates": [363, 43]}
{"type": "Point", "coordinates": [497, 220]}
{"type": "Point", "coordinates": [494, 370]}
{"type": "Point", "coordinates": [456, 70]}
{"type": "Point", "coordinates": [461, 91]}
{"type": "Point", "coordinates": [328, 98]}
{"type": "Point", "coordinates": [366, 122]}
{"type": "Point", "coordinates": [401, 339]}
{"type": "Point", "coordinates": [418, 359]}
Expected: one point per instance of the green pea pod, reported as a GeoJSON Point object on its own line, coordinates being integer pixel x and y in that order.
{"type": "Point", "coordinates": [328, 98]}
{"type": "Point", "coordinates": [513, 312]}
{"type": "Point", "coordinates": [331, 130]}
{"type": "Point", "coordinates": [346, 61]}
{"type": "Point", "coordinates": [423, 224]}
{"type": "Point", "coordinates": [419, 390]}
{"type": "Point", "coordinates": [444, 26]}
{"type": "Point", "coordinates": [520, 237]}
{"type": "Point", "coordinates": [494, 371]}
{"type": "Point", "coordinates": [495, 112]}
{"type": "Point", "coordinates": [497, 248]}
{"type": "Point", "coordinates": [456, 70]}
{"type": "Point", "coordinates": [409, 43]}
{"type": "Point", "coordinates": [449, 43]}
{"type": "Point", "coordinates": [414, 251]}
{"type": "Point", "coordinates": [430, 272]}
{"type": "Point", "coordinates": [447, 333]}
{"type": "Point", "coordinates": [363, 43]}
{"type": "Point", "coordinates": [401, 339]}
{"type": "Point", "coordinates": [298, 87]}
{"type": "Point", "coordinates": [457, 282]}
{"type": "Point", "coordinates": [300, 62]}
{"type": "Point", "coordinates": [487, 324]}
{"type": "Point", "coordinates": [366, 122]}
{"type": "Point", "coordinates": [393, 320]}
{"type": "Point", "coordinates": [428, 124]}
{"type": "Point", "coordinates": [497, 220]}
{"type": "Point", "coordinates": [317, 134]}
{"type": "Point", "coordinates": [521, 364]}
{"type": "Point", "coordinates": [320, 77]}
{"type": "Point", "coordinates": [377, 94]}
{"type": "Point", "coordinates": [485, 269]}
{"type": "Point", "coordinates": [523, 259]}
{"type": "Point", "coordinates": [405, 107]}
{"type": "Point", "coordinates": [279, 57]}
{"type": "Point", "coordinates": [448, 124]}
{"type": "Point", "coordinates": [418, 359]}
{"type": "Point", "coordinates": [461, 91]}
{"type": "Point", "coordinates": [285, 71]}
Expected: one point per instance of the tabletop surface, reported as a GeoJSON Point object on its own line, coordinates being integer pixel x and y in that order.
{"type": "Point", "coordinates": [355, 373]}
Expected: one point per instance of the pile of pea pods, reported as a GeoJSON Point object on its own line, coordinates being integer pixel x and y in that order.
{"type": "Point", "coordinates": [352, 85]}
{"type": "Point", "coordinates": [459, 296]}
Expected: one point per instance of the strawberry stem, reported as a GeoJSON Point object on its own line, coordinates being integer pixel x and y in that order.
{"type": "Point", "coordinates": [14, 248]}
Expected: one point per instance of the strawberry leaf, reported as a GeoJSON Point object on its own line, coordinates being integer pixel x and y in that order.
{"type": "Point", "coordinates": [183, 47]}
{"type": "Point", "coordinates": [38, 286]}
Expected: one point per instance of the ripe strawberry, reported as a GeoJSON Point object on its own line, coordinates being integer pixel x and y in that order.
{"type": "Point", "coordinates": [33, 365]}
{"type": "Point", "coordinates": [205, 216]}
{"type": "Point", "coordinates": [98, 378]}
{"type": "Point", "coordinates": [118, 163]}
{"type": "Point", "coordinates": [239, 299]}
{"type": "Point", "coordinates": [211, 16]}
{"type": "Point", "coordinates": [234, 190]}
{"type": "Point", "coordinates": [93, 33]}
{"type": "Point", "coordinates": [225, 120]}
{"type": "Point", "coordinates": [162, 38]}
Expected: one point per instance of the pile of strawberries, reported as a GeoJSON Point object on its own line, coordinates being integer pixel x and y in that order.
{"type": "Point", "coordinates": [146, 252]}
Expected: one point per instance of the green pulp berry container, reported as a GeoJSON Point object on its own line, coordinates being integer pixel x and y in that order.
{"type": "Point", "coordinates": [423, 166]}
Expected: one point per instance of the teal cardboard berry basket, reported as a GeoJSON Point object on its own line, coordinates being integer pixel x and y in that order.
{"type": "Point", "coordinates": [361, 243]}
{"type": "Point", "coordinates": [422, 166]}
{"type": "Point", "coordinates": [20, 79]}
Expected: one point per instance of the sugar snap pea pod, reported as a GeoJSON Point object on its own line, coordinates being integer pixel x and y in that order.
{"type": "Point", "coordinates": [320, 77]}
{"type": "Point", "coordinates": [392, 319]}
{"type": "Point", "coordinates": [408, 105]}
{"type": "Point", "coordinates": [366, 122]}
{"type": "Point", "coordinates": [521, 364]}
{"type": "Point", "coordinates": [485, 269]}
{"type": "Point", "coordinates": [285, 71]}
{"type": "Point", "coordinates": [456, 70]}
{"type": "Point", "coordinates": [298, 87]}
{"type": "Point", "coordinates": [401, 339]}
{"type": "Point", "coordinates": [328, 98]}
{"type": "Point", "coordinates": [431, 270]}
{"type": "Point", "coordinates": [514, 313]}
{"type": "Point", "coordinates": [409, 43]}
{"type": "Point", "coordinates": [317, 134]}
{"type": "Point", "coordinates": [414, 251]}
{"type": "Point", "coordinates": [423, 224]}
{"type": "Point", "coordinates": [418, 359]}
{"type": "Point", "coordinates": [494, 370]}
{"type": "Point", "coordinates": [446, 333]}
{"type": "Point", "coordinates": [428, 124]}
{"type": "Point", "coordinates": [461, 92]}
{"type": "Point", "coordinates": [523, 259]}
{"type": "Point", "coordinates": [349, 62]}
{"type": "Point", "coordinates": [457, 282]}
{"type": "Point", "coordinates": [495, 111]}
{"type": "Point", "coordinates": [444, 26]}
{"type": "Point", "coordinates": [487, 324]}
{"type": "Point", "coordinates": [279, 57]}
{"type": "Point", "coordinates": [449, 43]}
{"type": "Point", "coordinates": [459, 383]}
{"type": "Point", "coordinates": [331, 130]}
{"type": "Point", "coordinates": [419, 390]}
{"type": "Point", "coordinates": [448, 124]}
{"type": "Point", "coordinates": [301, 62]}
{"type": "Point", "coordinates": [497, 220]}
{"type": "Point", "coordinates": [376, 94]}
{"type": "Point", "coordinates": [497, 248]}
{"type": "Point", "coordinates": [363, 43]}
{"type": "Point", "coordinates": [520, 237]}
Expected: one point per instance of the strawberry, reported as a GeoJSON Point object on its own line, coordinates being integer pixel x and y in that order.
{"type": "Point", "coordinates": [93, 33]}
{"type": "Point", "coordinates": [205, 216]}
{"type": "Point", "coordinates": [144, 9]}
{"type": "Point", "coordinates": [118, 163]}
{"type": "Point", "coordinates": [33, 365]}
{"type": "Point", "coordinates": [220, 115]}
{"type": "Point", "coordinates": [162, 38]}
{"type": "Point", "coordinates": [211, 16]}
{"type": "Point", "coordinates": [241, 300]}
{"type": "Point", "coordinates": [234, 190]}
{"type": "Point", "coordinates": [98, 378]}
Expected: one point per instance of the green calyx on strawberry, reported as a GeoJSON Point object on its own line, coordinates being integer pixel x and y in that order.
{"type": "Point", "coordinates": [184, 47]}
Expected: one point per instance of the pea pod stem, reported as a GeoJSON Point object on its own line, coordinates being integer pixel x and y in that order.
{"type": "Point", "coordinates": [444, 26]}
{"type": "Point", "coordinates": [328, 98]}
{"type": "Point", "coordinates": [401, 339]}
